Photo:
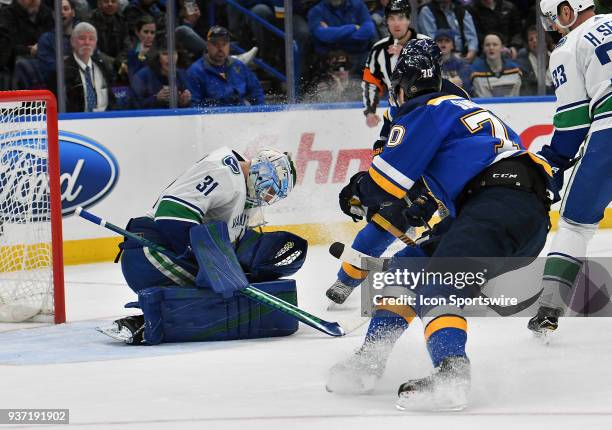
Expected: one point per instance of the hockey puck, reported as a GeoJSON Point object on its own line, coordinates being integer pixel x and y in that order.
{"type": "Point", "coordinates": [336, 249]}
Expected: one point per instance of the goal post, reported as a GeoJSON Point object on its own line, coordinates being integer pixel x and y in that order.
{"type": "Point", "coordinates": [31, 263]}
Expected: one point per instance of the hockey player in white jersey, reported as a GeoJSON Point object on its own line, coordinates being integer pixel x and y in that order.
{"type": "Point", "coordinates": [223, 186]}
{"type": "Point", "coordinates": [581, 68]}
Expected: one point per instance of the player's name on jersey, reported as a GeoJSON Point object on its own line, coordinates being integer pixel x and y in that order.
{"type": "Point", "coordinates": [452, 300]}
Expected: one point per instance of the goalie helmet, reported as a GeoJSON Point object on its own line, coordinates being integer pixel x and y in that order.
{"type": "Point", "coordinates": [272, 176]}
{"type": "Point", "coordinates": [550, 10]}
{"type": "Point", "coordinates": [417, 70]}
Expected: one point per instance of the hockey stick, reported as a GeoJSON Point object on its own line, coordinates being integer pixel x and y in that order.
{"type": "Point", "coordinates": [329, 328]}
{"type": "Point", "coordinates": [357, 259]}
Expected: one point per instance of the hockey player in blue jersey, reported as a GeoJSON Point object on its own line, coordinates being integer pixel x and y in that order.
{"type": "Point", "coordinates": [374, 239]}
{"type": "Point", "coordinates": [496, 193]}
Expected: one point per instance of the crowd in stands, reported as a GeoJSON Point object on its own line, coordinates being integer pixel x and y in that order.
{"type": "Point", "coordinates": [116, 57]}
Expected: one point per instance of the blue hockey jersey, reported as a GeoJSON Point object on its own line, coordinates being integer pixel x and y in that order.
{"type": "Point", "coordinates": [447, 140]}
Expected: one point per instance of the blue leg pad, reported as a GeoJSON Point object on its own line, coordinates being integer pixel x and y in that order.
{"type": "Point", "coordinates": [174, 314]}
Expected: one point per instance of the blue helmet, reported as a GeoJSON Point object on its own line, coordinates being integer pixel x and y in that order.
{"type": "Point", "coordinates": [272, 176]}
{"type": "Point", "coordinates": [417, 70]}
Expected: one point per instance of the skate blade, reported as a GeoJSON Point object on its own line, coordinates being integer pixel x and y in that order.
{"type": "Point", "coordinates": [114, 333]}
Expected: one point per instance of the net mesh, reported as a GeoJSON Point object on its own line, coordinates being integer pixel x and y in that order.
{"type": "Point", "coordinates": [26, 272]}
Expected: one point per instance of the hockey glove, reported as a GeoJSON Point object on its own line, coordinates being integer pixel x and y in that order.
{"type": "Point", "coordinates": [378, 147]}
{"type": "Point", "coordinates": [349, 198]}
{"type": "Point", "coordinates": [421, 209]}
{"type": "Point", "coordinates": [559, 164]}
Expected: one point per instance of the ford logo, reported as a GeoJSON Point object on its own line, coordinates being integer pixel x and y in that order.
{"type": "Point", "coordinates": [88, 171]}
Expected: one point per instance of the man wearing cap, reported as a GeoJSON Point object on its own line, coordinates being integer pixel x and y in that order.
{"type": "Point", "coordinates": [220, 80]}
{"type": "Point", "coordinates": [454, 68]}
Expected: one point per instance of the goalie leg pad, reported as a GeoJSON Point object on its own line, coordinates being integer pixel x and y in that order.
{"type": "Point", "coordinates": [199, 314]}
{"type": "Point", "coordinates": [269, 256]}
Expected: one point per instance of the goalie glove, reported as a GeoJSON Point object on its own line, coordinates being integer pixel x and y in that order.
{"type": "Point", "coordinates": [349, 200]}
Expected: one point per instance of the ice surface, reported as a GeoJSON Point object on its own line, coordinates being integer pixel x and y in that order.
{"type": "Point", "coordinates": [279, 383]}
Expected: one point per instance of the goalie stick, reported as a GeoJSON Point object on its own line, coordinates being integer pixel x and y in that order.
{"type": "Point", "coordinates": [330, 328]}
{"type": "Point", "coordinates": [367, 262]}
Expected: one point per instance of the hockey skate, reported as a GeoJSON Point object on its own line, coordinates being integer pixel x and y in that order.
{"type": "Point", "coordinates": [359, 373]}
{"type": "Point", "coordinates": [129, 330]}
{"type": "Point", "coordinates": [446, 389]}
{"type": "Point", "coordinates": [545, 322]}
{"type": "Point", "coordinates": [337, 294]}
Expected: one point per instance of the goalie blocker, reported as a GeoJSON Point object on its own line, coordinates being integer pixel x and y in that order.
{"type": "Point", "coordinates": [205, 308]}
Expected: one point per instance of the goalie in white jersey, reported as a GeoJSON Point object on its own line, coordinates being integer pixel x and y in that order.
{"type": "Point", "coordinates": [222, 187]}
{"type": "Point", "coordinates": [581, 68]}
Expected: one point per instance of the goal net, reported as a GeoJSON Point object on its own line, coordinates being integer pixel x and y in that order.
{"type": "Point", "coordinates": [31, 273]}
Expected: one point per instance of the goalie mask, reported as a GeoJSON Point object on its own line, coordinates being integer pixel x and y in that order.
{"type": "Point", "coordinates": [272, 176]}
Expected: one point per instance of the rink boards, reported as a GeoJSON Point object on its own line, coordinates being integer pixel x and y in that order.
{"type": "Point", "coordinates": [329, 143]}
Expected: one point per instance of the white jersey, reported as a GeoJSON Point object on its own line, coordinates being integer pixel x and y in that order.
{"type": "Point", "coordinates": [213, 189]}
{"type": "Point", "coordinates": [581, 70]}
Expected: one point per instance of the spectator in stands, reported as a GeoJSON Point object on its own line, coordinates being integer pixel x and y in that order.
{"type": "Point", "coordinates": [82, 9]}
{"type": "Point", "coordinates": [46, 43]}
{"type": "Point", "coordinates": [139, 8]}
{"type": "Point", "coordinates": [145, 35]}
{"type": "Point", "coordinates": [500, 16]}
{"type": "Point", "coordinates": [217, 79]}
{"type": "Point", "coordinates": [377, 12]}
{"type": "Point", "coordinates": [113, 35]}
{"type": "Point", "coordinates": [21, 25]}
{"type": "Point", "coordinates": [454, 68]}
{"type": "Point", "coordinates": [273, 11]}
{"type": "Point", "coordinates": [439, 14]}
{"type": "Point", "coordinates": [342, 25]}
{"type": "Point", "coordinates": [493, 75]}
{"type": "Point", "coordinates": [88, 73]}
{"type": "Point", "coordinates": [149, 87]}
{"type": "Point", "coordinates": [528, 62]}
{"type": "Point", "coordinates": [335, 83]}
{"type": "Point", "coordinates": [190, 31]}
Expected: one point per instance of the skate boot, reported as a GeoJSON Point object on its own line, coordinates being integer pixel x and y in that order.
{"type": "Point", "coordinates": [446, 389]}
{"type": "Point", "coordinates": [338, 293]}
{"type": "Point", "coordinates": [129, 330]}
{"type": "Point", "coordinates": [359, 373]}
{"type": "Point", "coordinates": [545, 322]}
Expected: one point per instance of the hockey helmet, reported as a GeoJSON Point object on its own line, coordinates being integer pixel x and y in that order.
{"type": "Point", "coordinates": [272, 176]}
{"type": "Point", "coordinates": [550, 10]}
{"type": "Point", "coordinates": [397, 7]}
{"type": "Point", "coordinates": [417, 70]}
